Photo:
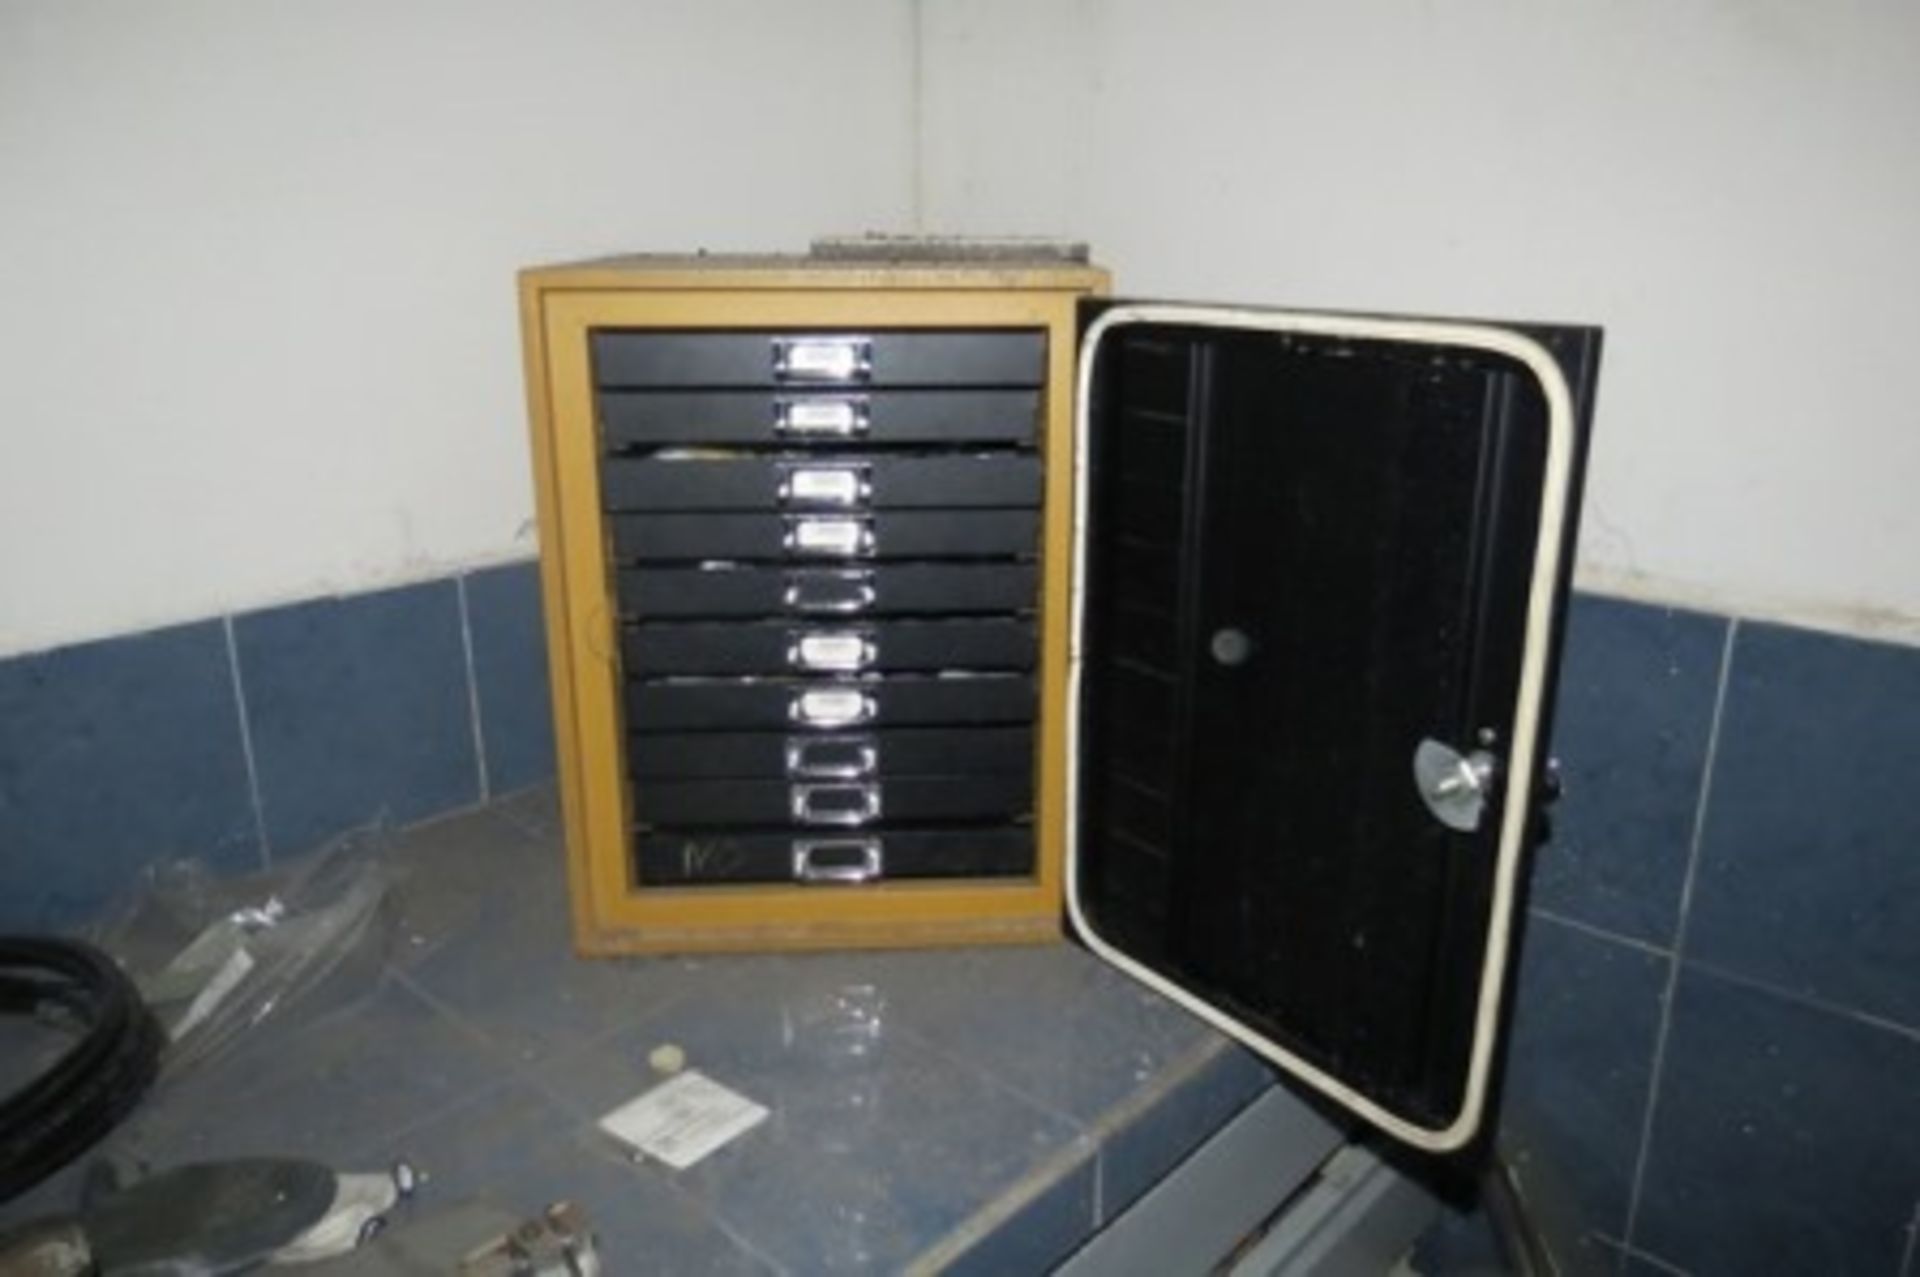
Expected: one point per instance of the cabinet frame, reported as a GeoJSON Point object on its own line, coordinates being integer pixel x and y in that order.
{"type": "Point", "coordinates": [560, 308]}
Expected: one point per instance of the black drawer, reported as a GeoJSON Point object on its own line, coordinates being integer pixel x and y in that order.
{"type": "Point", "coordinates": [973, 357]}
{"type": "Point", "coordinates": [830, 755]}
{"type": "Point", "coordinates": [776, 704]}
{"type": "Point", "coordinates": [832, 804]}
{"type": "Point", "coordinates": [1003, 851]}
{"type": "Point", "coordinates": [879, 590]}
{"type": "Point", "coordinates": [651, 418]}
{"type": "Point", "coordinates": [838, 482]}
{"type": "Point", "coordinates": [775, 647]}
{"type": "Point", "coordinates": [896, 534]}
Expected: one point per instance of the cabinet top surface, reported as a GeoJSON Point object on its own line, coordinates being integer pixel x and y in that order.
{"type": "Point", "coordinates": [803, 271]}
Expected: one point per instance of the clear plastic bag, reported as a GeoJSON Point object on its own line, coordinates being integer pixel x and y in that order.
{"type": "Point", "coordinates": [217, 956]}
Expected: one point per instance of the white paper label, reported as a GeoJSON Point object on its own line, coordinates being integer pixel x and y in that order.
{"type": "Point", "coordinates": [830, 487]}
{"type": "Point", "coordinates": [823, 417]}
{"type": "Point", "coordinates": [683, 1119]}
{"type": "Point", "coordinates": [827, 360]}
{"type": "Point", "coordinates": [831, 651]}
{"type": "Point", "coordinates": [830, 707]}
{"type": "Point", "coordinates": [828, 536]}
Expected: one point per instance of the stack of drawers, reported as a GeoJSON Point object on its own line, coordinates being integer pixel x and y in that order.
{"type": "Point", "coordinates": [825, 546]}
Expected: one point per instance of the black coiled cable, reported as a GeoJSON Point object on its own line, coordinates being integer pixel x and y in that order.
{"type": "Point", "coordinates": [95, 1082]}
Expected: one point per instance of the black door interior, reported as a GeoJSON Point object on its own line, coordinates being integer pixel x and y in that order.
{"type": "Point", "coordinates": [1306, 555]}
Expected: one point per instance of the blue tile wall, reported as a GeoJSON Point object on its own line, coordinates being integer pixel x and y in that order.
{"type": "Point", "coordinates": [510, 675]}
{"type": "Point", "coordinates": [113, 756]}
{"type": "Point", "coordinates": [1716, 1061]}
{"type": "Point", "coordinates": [1716, 1057]}
{"type": "Point", "coordinates": [234, 739]}
{"type": "Point", "coordinates": [1637, 688]}
{"type": "Point", "coordinates": [1579, 1074]}
{"type": "Point", "coordinates": [1787, 1139]}
{"type": "Point", "coordinates": [359, 708]}
{"type": "Point", "coordinates": [1810, 866]}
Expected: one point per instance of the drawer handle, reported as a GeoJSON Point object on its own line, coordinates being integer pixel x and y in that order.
{"type": "Point", "coordinates": [837, 652]}
{"type": "Point", "coordinates": [861, 596]}
{"type": "Point", "coordinates": [825, 485]}
{"type": "Point", "coordinates": [832, 707]}
{"type": "Point", "coordinates": [823, 358]}
{"type": "Point", "coordinates": [836, 859]}
{"type": "Point", "coordinates": [834, 804]}
{"type": "Point", "coordinates": [832, 758]}
{"type": "Point", "coordinates": [836, 538]}
{"type": "Point", "coordinates": [822, 418]}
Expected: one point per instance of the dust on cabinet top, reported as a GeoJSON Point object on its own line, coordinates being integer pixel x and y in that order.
{"type": "Point", "coordinates": [937, 264]}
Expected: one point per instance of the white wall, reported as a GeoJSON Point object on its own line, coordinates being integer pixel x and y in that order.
{"type": "Point", "coordinates": [257, 322]}
{"type": "Point", "coordinates": [1732, 188]}
{"type": "Point", "coordinates": [257, 332]}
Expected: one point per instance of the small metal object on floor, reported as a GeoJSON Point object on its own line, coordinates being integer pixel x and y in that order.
{"type": "Point", "coordinates": [555, 1244]}
{"type": "Point", "coordinates": [46, 1248]}
{"type": "Point", "coordinates": [476, 1239]}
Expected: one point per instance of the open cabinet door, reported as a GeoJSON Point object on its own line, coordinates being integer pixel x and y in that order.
{"type": "Point", "coordinates": [1319, 568]}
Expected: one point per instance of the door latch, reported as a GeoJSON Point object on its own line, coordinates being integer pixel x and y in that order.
{"type": "Point", "coordinates": [1455, 787]}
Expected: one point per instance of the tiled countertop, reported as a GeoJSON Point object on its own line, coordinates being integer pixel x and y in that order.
{"type": "Point", "coordinates": [966, 1110]}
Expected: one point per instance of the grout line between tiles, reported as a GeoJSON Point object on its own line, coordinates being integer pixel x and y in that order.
{"type": "Point", "coordinates": [1601, 933]}
{"type": "Point", "coordinates": [1083, 1142]}
{"type": "Point", "coordinates": [986, 1222]}
{"type": "Point", "coordinates": [932, 1047]}
{"type": "Point", "coordinates": [473, 689]}
{"type": "Point", "coordinates": [387, 1146]}
{"type": "Point", "coordinates": [1183, 1070]}
{"type": "Point", "coordinates": [1174, 1074]}
{"type": "Point", "coordinates": [1086, 1143]}
{"type": "Point", "coordinates": [1099, 1189]}
{"type": "Point", "coordinates": [725, 1229]}
{"type": "Point", "coordinates": [1657, 1068]}
{"type": "Point", "coordinates": [439, 1006]}
{"type": "Point", "coordinates": [524, 821]}
{"type": "Point", "coordinates": [246, 744]}
{"type": "Point", "coordinates": [512, 1067]}
{"type": "Point", "coordinates": [1177, 1073]}
{"type": "Point", "coordinates": [530, 1075]}
{"type": "Point", "coordinates": [1810, 1001]}
{"type": "Point", "coordinates": [1648, 1258]}
{"type": "Point", "coordinates": [392, 1140]}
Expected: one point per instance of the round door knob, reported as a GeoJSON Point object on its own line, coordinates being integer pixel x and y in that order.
{"type": "Point", "coordinates": [1230, 646]}
{"type": "Point", "coordinates": [1455, 787]}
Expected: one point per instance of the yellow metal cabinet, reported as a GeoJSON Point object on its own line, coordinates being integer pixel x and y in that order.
{"type": "Point", "coordinates": [725, 375]}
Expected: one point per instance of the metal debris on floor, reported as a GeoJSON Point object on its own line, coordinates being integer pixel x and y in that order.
{"type": "Point", "coordinates": [478, 1239]}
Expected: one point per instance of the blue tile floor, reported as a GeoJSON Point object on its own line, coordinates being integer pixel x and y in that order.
{"type": "Point", "coordinates": [915, 1096]}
